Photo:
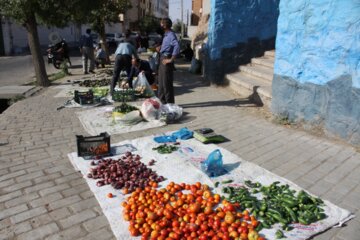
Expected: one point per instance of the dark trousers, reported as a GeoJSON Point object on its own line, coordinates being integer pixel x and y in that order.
{"type": "Point", "coordinates": [166, 79]}
{"type": "Point", "coordinates": [122, 62]}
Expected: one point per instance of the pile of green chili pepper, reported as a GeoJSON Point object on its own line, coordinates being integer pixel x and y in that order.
{"type": "Point", "coordinates": [165, 148]}
{"type": "Point", "coordinates": [279, 204]}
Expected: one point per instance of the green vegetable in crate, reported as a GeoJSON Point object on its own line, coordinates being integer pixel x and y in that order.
{"type": "Point", "coordinates": [165, 148]}
{"type": "Point", "coordinates": [279, 204]}
{"type": "Point", "coordinates": [95, 83]}
{"type": "Point", "coordinates": [100, 91]}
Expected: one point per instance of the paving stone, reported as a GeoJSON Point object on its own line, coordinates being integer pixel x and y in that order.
{"type": "Point", "coordinates": [41, 220]}
{"type": "Point", "coordinates": [77, 218]}
{"type": "Point", "coordinates": [9, 196]}
{"type": "Point", "coordinates": [56, 188]}
{"type": "Point", "coordinates": [321, 187]}
{"type": "Point", "coordinates": [46, 178]}
{"type": "Point", "coordinates": [5, 223]}
{"type": "Point", "coordinates": [28, 214]}
{"type": "Point", "coordinates": [12, 175]}
{"type": "Point", "coordinates": [70, 233]}
{"type": "Point", "coordinates": [7, 183]}
{"type": "Point", "coordinates": [59, 214]}
{"type": "Point", "coordinates": [83, 205]}
{"type": "Point", "coordinates": [39, 233]}
{"type": "Point", "coordinates": [29, 176]}
{"type": "Point", "coordinates": [22, 166]}
{"type": "Point", "coordinates": [23, 198]}
{"type": "Point", "coordinates": [40, 167]}
{"type": "Point", "coordinates": [96, 223]}
{"type": "Point", "coordinates": [36, 157]}
{"type": "Point", "coordinates": [64, 202]}
{"type": "Point", "coordinates": [12, 230]}
{"type": "Point", "coordinates": [67, 178]}
{"type": "Point", "coordinates": [45, 200]}
{"type": "Point", "coordinates": [75, 190]}
{"type": "Point", "coordinates": [87, 194]}
{"type": "Point", "coordinates": [12, 211]}
{"type": "Point", "coordinates": [102, 234]}
{"type": "Point", "coordinates": [39, 187]}
{"type": "Point", "coordinates": [58, 168]}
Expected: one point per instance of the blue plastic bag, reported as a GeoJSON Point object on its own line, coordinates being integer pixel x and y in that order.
{"type": "Point", "coordinates": [165, 139]}
{"type": "Point", "coordinates": [183, 134]}
{"type": "Point", "coordinates": [213, 165]}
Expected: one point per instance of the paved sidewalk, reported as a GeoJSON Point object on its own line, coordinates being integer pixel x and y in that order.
{"type": "Point", "coordinates": [43, 197]}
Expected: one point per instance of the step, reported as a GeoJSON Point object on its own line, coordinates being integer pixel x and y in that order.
{"type": "Point", "coordinates": [270, 53]}
{"type": "Point", "coordinates": [259, 90]}
{"type": "Point", "coordinates": [264, 61]}
{"type": "Point", "coordinates": [8, 92]}
{"type": "Point", "coordinates": [32, 91]}
{"type": "Point", "coordinates": [258, 71]}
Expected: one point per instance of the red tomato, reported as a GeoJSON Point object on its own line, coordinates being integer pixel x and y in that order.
{"type": "Point", "coordinates": [208, 210]}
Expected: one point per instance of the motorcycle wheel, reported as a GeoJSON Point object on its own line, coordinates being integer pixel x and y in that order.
{"type": "Point", "coordinates": [57, 64]}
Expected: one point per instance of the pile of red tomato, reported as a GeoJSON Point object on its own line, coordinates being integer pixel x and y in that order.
{"type": "Point", "coordinates": [184, 211]}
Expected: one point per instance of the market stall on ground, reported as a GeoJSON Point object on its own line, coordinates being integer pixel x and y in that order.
{"type": "Point", "coordinates": [170, 187]}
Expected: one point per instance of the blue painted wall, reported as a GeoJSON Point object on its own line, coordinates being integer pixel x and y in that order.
{"type": "Point", "coordinates": [233, 22]}
{"type": "Point", "coordinates": [318, 41]}
{"type": "Point", "coordinates": [317, 65]}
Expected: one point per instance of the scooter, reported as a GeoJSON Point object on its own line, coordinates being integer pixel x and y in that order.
{"type": "Point", "coordinates": [56, 54]}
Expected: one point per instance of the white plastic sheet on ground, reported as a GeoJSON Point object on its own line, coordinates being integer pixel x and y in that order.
{"type": "Point", "coordinates": [183, 166]}
{"type": "Point", "coordinates": [98, 120]}
{"type": "Point", "coordinates": [67, 91]}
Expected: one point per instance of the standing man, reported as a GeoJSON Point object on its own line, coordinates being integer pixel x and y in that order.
{"type": "Point", "coordinates": [169, 50]}
{"type": "Point", "coordinates": [123, 56]}
{"type": "Point", "coordinates": [87, 51]}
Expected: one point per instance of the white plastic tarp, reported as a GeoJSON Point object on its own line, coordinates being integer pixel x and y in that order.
{"type": "Point", "coordinates": [98, 120]}
{"type": "Point", "coordinates": [183, 166]}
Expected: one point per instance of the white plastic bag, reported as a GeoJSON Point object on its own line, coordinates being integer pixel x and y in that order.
{"type": "Point", "coordinates": [170, 112]}
{"type": "Point", "coordinates": [142, 86]}
{"type": "Point", "coordinates": [150, 109]}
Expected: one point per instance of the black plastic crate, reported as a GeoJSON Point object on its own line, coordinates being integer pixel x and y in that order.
{"type": "Point", "coordinates": [94, 145]}
{"type": "Point", "coordinates": [84, 97]}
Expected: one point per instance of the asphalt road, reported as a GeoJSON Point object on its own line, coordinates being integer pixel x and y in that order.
{"type": "Point", "coordinates": [19, 70]}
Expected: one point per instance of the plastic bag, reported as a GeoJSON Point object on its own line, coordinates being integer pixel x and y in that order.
{"type": "Point", "coordinates": [165, 139]}
{"type": "Point", "coordinates": [131, 118]}
{"type": "Point", "coordinates": [213, 165]}
{"type": "Point", "coordinates": [170, 112]}
{"type": "Point", "coordinates": [183, 134]}
{"type": "Point", "coordinates": [150, 108]}
{"type": "Point", "coordinates": [142, 86]}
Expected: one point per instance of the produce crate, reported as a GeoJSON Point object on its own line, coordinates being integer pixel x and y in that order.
{"type": "Point", "coordinates": [93, 146]}
{"type": "Point", "coordinates": [84, 97]}
{"type": "Point", "coordinates": [124, 95]}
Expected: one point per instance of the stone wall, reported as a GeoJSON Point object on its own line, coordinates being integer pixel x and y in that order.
{"type": "Point", "coordinates": [317, 65]}
{"type": "Point", "coordinates": [238, 31]}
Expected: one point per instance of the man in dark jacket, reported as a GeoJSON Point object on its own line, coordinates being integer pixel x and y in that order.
{"type": "Point", "coordinates": [139, 66]}
{"type": "Point", "coordinates": [87, 51]}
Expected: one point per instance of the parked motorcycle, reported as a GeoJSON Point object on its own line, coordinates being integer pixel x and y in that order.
{"type": "Point", "coordinates": [57, 54]}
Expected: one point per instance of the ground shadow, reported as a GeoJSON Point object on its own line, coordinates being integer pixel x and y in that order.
{"type": "Point", "coordinates": [185, 118]}
{"type": "Point", "coordinates": [231, 166]}
{"type": "Point", "coordinates": [75, 66]}
{"type": "Point", "coordinates": [238, 102]}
